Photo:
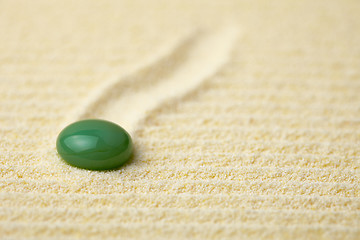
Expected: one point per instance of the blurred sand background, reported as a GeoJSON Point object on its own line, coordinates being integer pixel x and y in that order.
{"type": "Point", "coordinates": [245, 117]}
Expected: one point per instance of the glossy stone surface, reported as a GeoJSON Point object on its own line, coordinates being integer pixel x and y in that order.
{"type": "Point", "coordinates": [94, 144]}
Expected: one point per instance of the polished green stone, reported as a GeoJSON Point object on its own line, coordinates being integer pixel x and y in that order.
{"type": "Point", "coordinates": [94, 144]}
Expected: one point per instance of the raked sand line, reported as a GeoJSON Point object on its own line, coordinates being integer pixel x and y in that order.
{"type": "Point", "coordinates": [139, 75]}
{"type": "Point", "coordinates": [127, 100]}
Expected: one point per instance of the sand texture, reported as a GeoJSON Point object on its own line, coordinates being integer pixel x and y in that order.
{"type": "Point", "coordinates": [245, 116]}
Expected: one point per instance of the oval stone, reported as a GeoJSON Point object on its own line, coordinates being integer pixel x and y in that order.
{"type": "Point", "coordinates": [94, 144]}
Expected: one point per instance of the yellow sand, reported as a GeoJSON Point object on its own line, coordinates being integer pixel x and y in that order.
{"type": "Point", "coordinates": [245, 117]}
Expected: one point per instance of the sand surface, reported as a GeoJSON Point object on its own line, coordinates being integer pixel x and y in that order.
{"type": "Point", "coordinates": [245, 117]}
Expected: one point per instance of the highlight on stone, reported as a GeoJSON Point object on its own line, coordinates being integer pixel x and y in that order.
{"type": "Point", "coordinates": [94, 144]}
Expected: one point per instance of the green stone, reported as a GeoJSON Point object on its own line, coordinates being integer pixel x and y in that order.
{"type": "Point", "coordinates": [94, 144]}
